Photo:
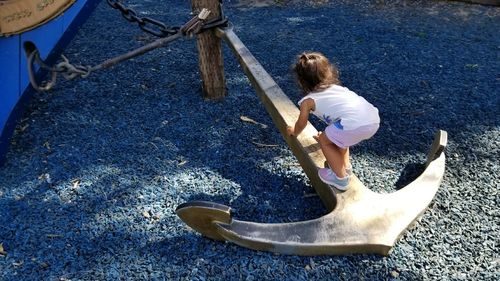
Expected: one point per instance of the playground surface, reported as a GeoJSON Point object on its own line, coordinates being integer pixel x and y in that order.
{"type": "Point", "coordinates": [98, 165]}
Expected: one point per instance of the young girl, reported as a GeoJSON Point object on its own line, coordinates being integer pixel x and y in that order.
{"type": "Point", "coordinates": [350, 118]}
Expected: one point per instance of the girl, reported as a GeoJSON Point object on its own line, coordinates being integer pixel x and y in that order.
{"type": "Point", "coordinates": [350, 118]}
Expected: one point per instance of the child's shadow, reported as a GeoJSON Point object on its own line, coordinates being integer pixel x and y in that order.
{"type": "Point", "coordinates": [410, 172]}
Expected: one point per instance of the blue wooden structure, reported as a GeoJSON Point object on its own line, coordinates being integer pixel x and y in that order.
{"type": "Point", "coordinates": [50, 39]}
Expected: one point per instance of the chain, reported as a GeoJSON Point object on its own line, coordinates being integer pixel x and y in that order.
{"type": "Point", "coordinates": [70, 71]}
{"type": "Point", "coordinates": [158, 28]}
{"type": "Point", "coordinates": [167, 34]}
{"type": "Point", "coordinates": [147, 24]}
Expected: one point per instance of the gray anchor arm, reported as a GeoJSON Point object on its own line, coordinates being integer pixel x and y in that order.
{"type": "Point", "coordinates": [359, 220]}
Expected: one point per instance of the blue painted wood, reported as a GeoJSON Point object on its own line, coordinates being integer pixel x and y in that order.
{"type": "Point", "coordinates": [9, 77]}
{"type": "Point", "coordinates": [50, 39]}
{"type": "Point", "coordinates": [71, 14]}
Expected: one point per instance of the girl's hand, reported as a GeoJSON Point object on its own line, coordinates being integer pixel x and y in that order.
{"type": "Point", "coordinates": [317, 136]}
{"type": "Point", "coordinates": [290, 131]}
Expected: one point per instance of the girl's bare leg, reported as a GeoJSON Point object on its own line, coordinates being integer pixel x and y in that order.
{"type": "Point", "coordinates": [347, 162]}
{"type": "Point", "coordinates": [335, 156]}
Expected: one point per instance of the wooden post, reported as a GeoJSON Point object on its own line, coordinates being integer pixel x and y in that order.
{"type": "Point", "coordinates": [210, 57]}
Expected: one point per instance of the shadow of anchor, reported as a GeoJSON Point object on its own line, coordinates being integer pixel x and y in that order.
{"type": "Point", "coordinates": [359, 220]}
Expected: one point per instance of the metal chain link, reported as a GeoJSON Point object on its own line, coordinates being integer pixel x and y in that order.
{"type": "Point", "coordinates": [70, 71]}
{"type": "Point", "coordinates": [147, 24]}
{"type": "Point", "coordinates": [158, 28]}
{"type": "Point", "coordinates": [168, 34]}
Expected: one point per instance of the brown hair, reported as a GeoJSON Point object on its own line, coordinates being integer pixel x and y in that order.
{"type": "Point", "coordinates": [314, 72]}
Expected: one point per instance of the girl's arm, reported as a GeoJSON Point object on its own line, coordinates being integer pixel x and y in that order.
{"type": "Point", "coordinates": [305, 107]}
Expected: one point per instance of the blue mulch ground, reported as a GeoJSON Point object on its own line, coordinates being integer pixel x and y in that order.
{"type": "Point", "coordinates": [98, 165]}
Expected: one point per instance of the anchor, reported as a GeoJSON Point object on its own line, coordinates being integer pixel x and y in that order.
{"type": "Point", "coordinates": [359, 220]}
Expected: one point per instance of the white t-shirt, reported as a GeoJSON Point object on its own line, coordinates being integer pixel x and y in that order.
{"type": "Point", "coordinates": [339, 104]}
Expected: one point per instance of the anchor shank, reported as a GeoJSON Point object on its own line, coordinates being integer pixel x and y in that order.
{"type": "Point", "coordinates": [284, 113]}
